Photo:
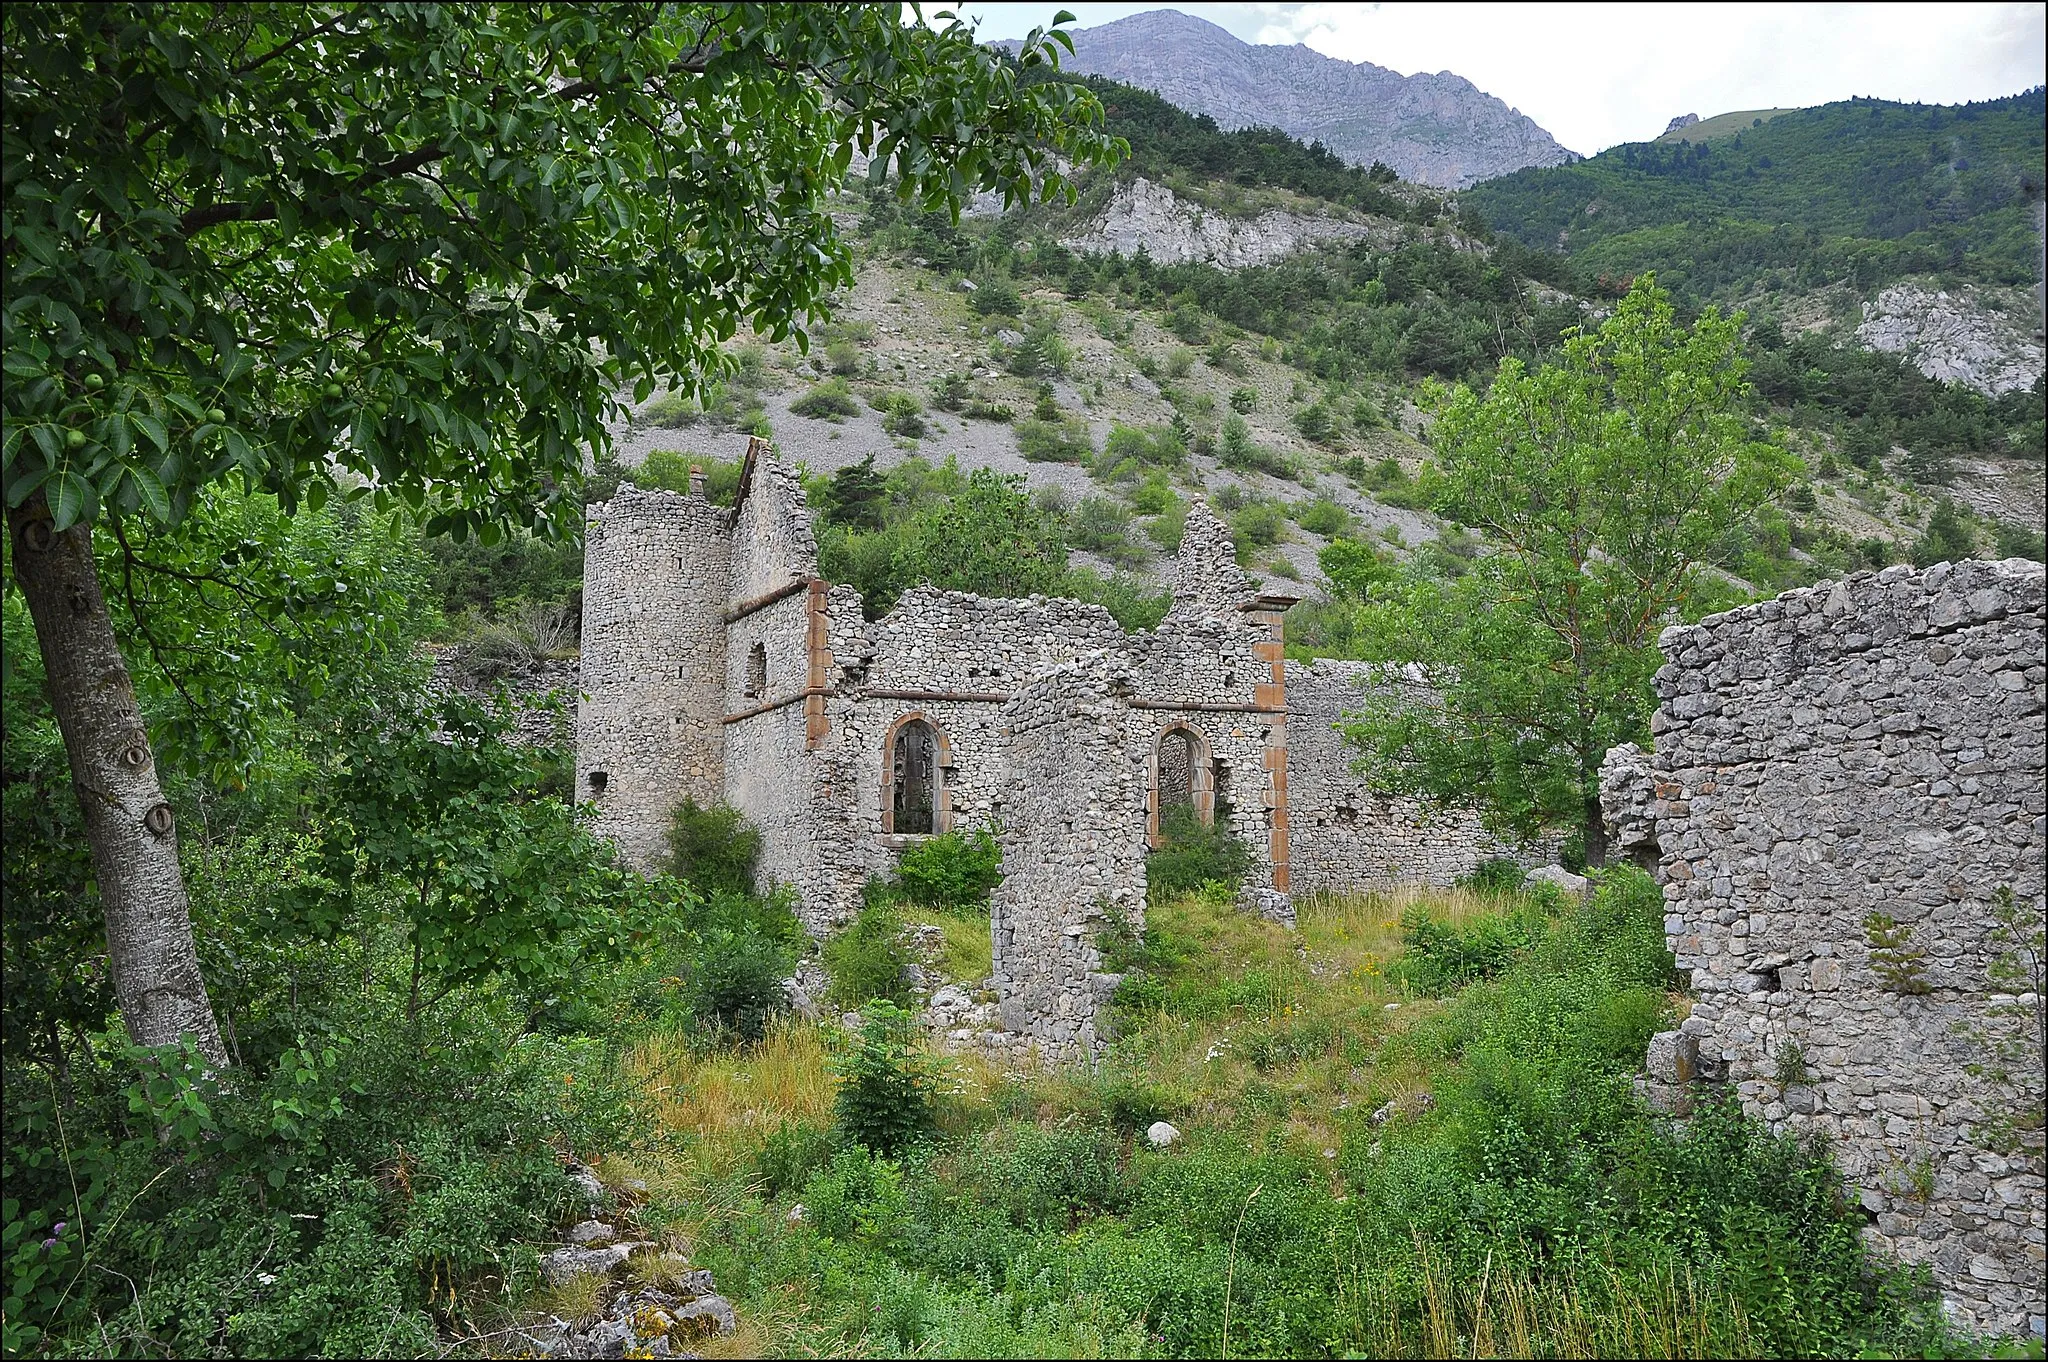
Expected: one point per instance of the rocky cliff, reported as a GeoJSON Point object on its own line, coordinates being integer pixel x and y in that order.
{"type": "Point", "coordinates": [1173, 231]}
{"type": "Point", "coordinates": [1434, 129]}
{"type": "Point", "coordinates": [1966, 337]}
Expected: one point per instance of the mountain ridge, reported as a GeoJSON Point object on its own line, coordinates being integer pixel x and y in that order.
{"type": "Point", "coordinates": [1437, 129]}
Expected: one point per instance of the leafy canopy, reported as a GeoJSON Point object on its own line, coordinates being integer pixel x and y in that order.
{"type": "Point", "coordinates": [418, 250]}
{"type": "Point", "coordinates": [1606, 480]}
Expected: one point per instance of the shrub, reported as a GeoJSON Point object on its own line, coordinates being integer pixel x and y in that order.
{"type": "Point", "coordinates": [885, 1085]}
{"type": "Point", "coordinates": [1440, 957]}
{"type": "Point", "coordinates": [1103, 526]}
{"type": "Point", "coordinates": [1243, 400]}
{"type": "Point", "coordinates": [1317, 423]}
{"type": "Point", "coordinates": [1160, 446]}
{"type": "Point", "coordinates": [1497, 875]}
{"type": "Point", "coordinates": [1322, 516]}
{"type": "Point", "coordinates": [670, 411]}
{"type": "Point", "coordinates": [1239, 451]}
{"type": "Point", "coordinates": [1062, 441]}
{"type": "Point", "coordinates": [952, 870]}
{"type": "Point", "coordinates": [995, 296]}
{"type": "Point", "coordinates": [902, 414]}
{"type": "Point", "coordinates": [949, 392]}
{"type": "Point", "coordinates": [867, 961]}
{"type": "Point", "coordinates": [746, 945]}
{"type": "Point", "coordinates": [842, 356]}
{"type": "Point", "coordinates": [712, 848]}
{"type": "Point", "coordinates": [1179, 361]}
{"type": "Point", "coordinates": [978, 410]}
{"type": "Point", "coordinates": [828, 401]}
{"type": "Point", "coordinates": [1195, 854]}
{"type": "Point", "coordinates": [1257, 525]}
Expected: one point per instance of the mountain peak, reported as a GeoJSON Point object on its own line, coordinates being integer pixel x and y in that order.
{"type": "Point", "coordinates": [1434, 128]}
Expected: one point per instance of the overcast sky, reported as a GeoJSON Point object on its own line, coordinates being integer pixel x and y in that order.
{"type": "Point", "coordinates": [1596, 75]}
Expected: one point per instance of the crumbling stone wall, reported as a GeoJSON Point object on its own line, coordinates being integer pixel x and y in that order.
{"type": "Point", "coordinates": [1872, 746]}
{"type": "Point", "coordinates": [655, 571]}
{"type": "Point", "coordinates": [1343, 835]}
{"type": "Point", "coordinates": [1073, 842]}
{"type": "Point", "coordinates": [717, 665]}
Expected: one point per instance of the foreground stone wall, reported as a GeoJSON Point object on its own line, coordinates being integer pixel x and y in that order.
{"type": "Point", "coordinates": [1346, 837]}
{"type": "Point", "coordinates": [1873, 746]}
{"type": "Point", "coordinates": [1073, 840]}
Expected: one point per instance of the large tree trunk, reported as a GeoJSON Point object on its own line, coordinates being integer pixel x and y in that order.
{"type": "Point", "coordinates": [127, 822]}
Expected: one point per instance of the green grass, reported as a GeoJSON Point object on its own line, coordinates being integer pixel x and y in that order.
{"type": "Point", "coordinates": [1722, 125]}
{"type": "Point", "coordinates": [1363, 1171]}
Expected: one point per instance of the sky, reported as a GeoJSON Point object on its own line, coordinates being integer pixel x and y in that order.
{"type": "Point", "coordinates": [1596, 75]}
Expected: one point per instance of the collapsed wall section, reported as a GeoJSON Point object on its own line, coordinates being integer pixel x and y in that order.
{"type": "Point", "coordinates": [1344, 836]}
{"type": "Point", "coordinates": [655, 571]}
{"type": "Point", "coordinates": [1870, 747]}
{"type": "Point", "coordinates": [1073, 843]}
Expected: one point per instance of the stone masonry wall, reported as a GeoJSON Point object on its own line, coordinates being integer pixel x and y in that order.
{"type": "Point", "coordinates": [1073, 841]}
{"type": "Point", "coordinates": [1874, 745]}
{"type": "Point", "coordinates": [1344, 836]}
{"type": "Point", "coordinates": [653, 666]}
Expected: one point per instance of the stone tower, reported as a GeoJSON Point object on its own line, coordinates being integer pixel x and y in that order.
{"type": "Point", "coordinates": [655, 573]}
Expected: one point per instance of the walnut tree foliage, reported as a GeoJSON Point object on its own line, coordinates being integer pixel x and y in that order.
{"type": "Point", "coordinates": [418, 251]}
{"type": "Point", "coordinates": [1606, 483]}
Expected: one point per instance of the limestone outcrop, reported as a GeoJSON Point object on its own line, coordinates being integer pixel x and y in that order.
{"type": "Point", "coordinates": [1142, 215]}
{"type": "Point", "coordinates": [1961, 337]}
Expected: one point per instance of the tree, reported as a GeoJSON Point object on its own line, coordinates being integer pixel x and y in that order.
{"type": "Point", "coordinates": [413, 254]}
{"type": "Point", "coordinates": [989, 539]}
{"type": "Point", "coordinates": [1949, 538]}
{"type": "Point", "coordinates": [1604, 481]}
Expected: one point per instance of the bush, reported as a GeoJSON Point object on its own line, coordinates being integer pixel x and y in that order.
{"type": "Point", "coordinates": [995, 297]}
{"type": "Point", "coordinates": [867, 961]}
{"type": "Point", "coordinates": [1322, 516]}
{"type": "Point", "coordinates": [831, 400]}
{"type": "Point", "coordinates": [952, 870]}
{"type": "Point", "coordinates": [1440, 957]}
{"type": "Point", "coordinates": [1062, 441]}
{"type": "Point", "coordinates": [1195, 854]}
{"type": "Point", "coordinates": [1243, 400]}
{"type": "Point", "coordinates": [746, 946]}
{"type": "Point", "coordinates": [1147, 445]}
{"type": "Point", "coordinates": [1496, 875]}
{"type": "Point", "coordinates": [1103, 526]}
{"type": "Point", "coordinates": [712, 849]}
{"type": "Point", "coordinates": [884, 1096]}
{"type": "Point", "coordinates": [669, 470]}
{"type": "Point", "coordinates": [1257, 525]}
{"type": "Point", "coordinates": [842, 356]}
{"type": "Point", "coordinates": [949, 392]}
{"type": "Point", "coordinates": [978, 410]}
{"type": "Point", "coordinates": [1238, 451]}
{"type": "Point", "coordinates": [902, 415]}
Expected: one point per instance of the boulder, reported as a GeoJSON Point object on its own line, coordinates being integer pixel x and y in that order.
{"type": "Point", "coordinates": [566, 1264]}
{"type": "Point", "coordinates": [1576, 886]}
{"type": "Point", "coordinates": [707, 1317]}
{"type": "Point", "coordinates": [589, 1233]}
{"type": "Point", "coordinates": [1160, 1134]}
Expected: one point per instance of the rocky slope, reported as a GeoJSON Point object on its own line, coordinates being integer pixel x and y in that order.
{"type": "Point", "coordinates": [1435, 129]}
{"type": "Point", "coordinates": [1966, 337]}
{"type": "Point", "coordinates": [1174, 231]}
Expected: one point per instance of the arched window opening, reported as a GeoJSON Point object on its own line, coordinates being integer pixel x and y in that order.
{"type": "Point", "coordinates": [1176, 772]}
{"type": "Point", "coordinates": [1183, 782]}
{"type": "Point", "coordinates": [757, 670]}
{"type": "Point", "coordinates": [914, 779]}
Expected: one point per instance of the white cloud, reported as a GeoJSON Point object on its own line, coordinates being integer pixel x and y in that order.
{"type": "Point", "coordinates": [1595, 75]}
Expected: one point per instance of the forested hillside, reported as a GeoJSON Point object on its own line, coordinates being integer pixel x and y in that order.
{"type": "Point", "coordinates": [1865, 190]}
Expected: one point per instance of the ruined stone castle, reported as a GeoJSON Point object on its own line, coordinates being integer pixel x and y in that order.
{"type": "Point", "coordinates": [1847, 785]}
{"type": "Point", "coordinates": [719, 666]}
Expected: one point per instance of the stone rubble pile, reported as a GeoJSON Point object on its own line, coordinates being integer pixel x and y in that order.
{"type": "Point", "coordinates": [666, 1307]}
